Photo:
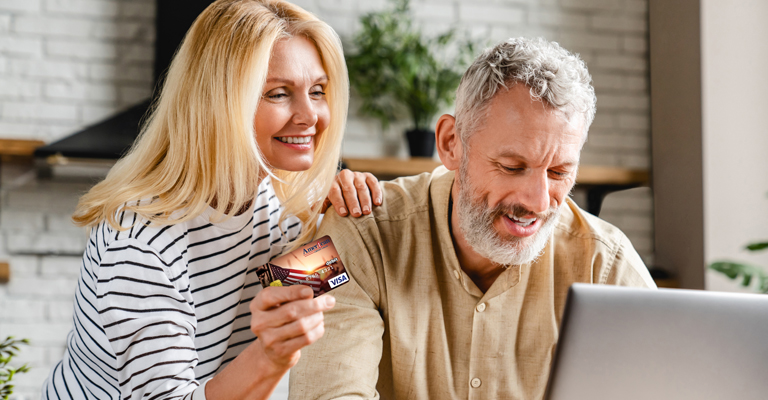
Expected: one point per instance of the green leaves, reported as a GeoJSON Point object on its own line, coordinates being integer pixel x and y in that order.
{"type": "Point", "coordinates": [747, 272]}
{"type": "Point", "coordinates": [9, 348]}
{"type": "Point", "coordinates": [396, 70]}
{"type": "Point", "coordinates": [757, 246]}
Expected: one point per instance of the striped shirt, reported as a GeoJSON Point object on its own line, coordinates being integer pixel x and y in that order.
{"type": "Point", "coordinates": [160, 309]}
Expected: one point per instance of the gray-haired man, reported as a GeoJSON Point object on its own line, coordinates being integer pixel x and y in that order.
{"type": "Point", "coordinates": [459, 279]}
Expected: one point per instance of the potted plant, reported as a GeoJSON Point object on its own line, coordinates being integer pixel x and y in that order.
{"type": "Point", "coordinates": [9, 348]}
{"type": "Point", "coordinates": [395, 69]}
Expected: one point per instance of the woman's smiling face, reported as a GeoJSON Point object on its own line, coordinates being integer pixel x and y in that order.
{"type": "Point", "coordinates": [293, 108]}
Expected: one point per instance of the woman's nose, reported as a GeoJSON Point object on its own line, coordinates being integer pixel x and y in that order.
{"type": "Point", "coordinates": [304, 112]}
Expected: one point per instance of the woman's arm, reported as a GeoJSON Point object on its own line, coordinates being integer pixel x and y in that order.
{"type": "Point", "coordinates": [149, 323]}
{"type": "Point", "coordinates": [284, 319]}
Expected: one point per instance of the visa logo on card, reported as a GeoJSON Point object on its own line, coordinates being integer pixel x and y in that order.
{"type": "Point", "coordinates": [339, 280]}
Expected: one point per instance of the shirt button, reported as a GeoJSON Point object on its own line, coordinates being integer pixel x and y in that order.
{"type": "Point", "coordinates": [456, 273]}
{"type": "Point", "coordinates": [480, 307]}
{"type": "Point", "coordinates": [475, 382]}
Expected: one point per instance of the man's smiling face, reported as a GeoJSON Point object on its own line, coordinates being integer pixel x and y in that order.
{"type": "Point", "coordinates": [516, 171]}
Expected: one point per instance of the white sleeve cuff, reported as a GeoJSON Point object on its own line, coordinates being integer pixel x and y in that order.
{"type": "Point", "coordinates": [199, 393]}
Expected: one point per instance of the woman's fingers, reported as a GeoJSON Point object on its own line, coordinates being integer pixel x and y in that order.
{"type": "Point", "coordinates": [286, 352]}
{"type": "Point", "coordinates": [346, 180]}
{"type": "Point", "coordinates": [336, 199]}
{"type": "Point", "coordinates": [297, 343]}
{"type": "Point", "coordinates": [288, 313]}
{"type": "Point", "coordinates": [262, 320]}
{"type": "Point", "coordinates": [363, 195]}
{"type": "Point", "coordinates": [286, 328]}
{"type": "Point", "coordinates": [354, 192]}
{"type": "Point", "coordinates": [301, 329]}
{"type": "Point", "coordinates": [375, 187]}
{"type": "Point", "coordinates": [272, 297]}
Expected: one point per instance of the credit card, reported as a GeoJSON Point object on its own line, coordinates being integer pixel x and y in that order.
{"type": "Point", "coordinates": [316, 264]}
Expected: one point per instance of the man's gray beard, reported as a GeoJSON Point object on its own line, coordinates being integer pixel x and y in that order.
{"type": "Point", "coordinates": [476, 223]}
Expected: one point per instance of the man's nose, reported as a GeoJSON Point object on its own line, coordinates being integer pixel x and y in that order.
{"type": "Point", "coordinates": [534, 194]}
{"type": "Point", "coordinates": [304, 112]}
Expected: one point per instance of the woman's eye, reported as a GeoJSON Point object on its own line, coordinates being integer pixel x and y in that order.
{"type": "Point", "coordinates": [317, 91]}
{"type": "Point", "coordinates": [276, 94]}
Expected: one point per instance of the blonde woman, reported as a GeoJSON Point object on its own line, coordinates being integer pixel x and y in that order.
{"type": "Point", "coordinates": [167, 305]}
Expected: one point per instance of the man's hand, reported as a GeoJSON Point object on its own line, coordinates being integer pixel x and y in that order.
{"type": "Point", "coordinates": [285, 319]}
{"type": "Point", "coordinates": [355, 191]}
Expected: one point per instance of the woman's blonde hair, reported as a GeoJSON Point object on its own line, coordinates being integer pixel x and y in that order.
{"type": "Point", "coordinates": [197, 146]}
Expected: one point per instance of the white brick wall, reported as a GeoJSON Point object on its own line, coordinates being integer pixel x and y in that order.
{"type": "Point", "coordinates": [58, 63]}
{"type": "Point", "coordinates": [44, 250]}
{"type": "Point", "coordinates": [65, 64]}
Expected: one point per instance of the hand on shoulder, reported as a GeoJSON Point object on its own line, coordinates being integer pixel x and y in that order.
{"type": "Point", "coordinates": [354, 193]}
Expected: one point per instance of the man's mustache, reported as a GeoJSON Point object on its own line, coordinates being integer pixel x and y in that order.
{"type": "Point", "coordinates": [520, 211]}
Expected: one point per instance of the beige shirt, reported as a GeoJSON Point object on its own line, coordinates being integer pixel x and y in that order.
{"type": "Point", "coordinates": [412, 325]}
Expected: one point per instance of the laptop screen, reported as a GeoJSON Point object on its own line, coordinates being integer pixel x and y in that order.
{"type": "Point", "coordinates": [628, 343]}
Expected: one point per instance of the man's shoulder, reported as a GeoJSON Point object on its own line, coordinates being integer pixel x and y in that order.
{"type": "Point", "coordinates": [584, 239]}
{"type": "Point", "coordinates": [403, 198]}
{"type": "Point", "coordinates": [577, 223]}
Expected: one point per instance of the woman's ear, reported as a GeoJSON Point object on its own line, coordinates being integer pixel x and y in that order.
{"type": "Point", "coordinates": [449, 146]}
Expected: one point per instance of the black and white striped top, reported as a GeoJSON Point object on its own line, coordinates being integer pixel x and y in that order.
{"type": "Point", "coordinates": [159, 310]}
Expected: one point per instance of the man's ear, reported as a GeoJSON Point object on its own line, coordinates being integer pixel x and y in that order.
{"type": "Point", "coordinates": [449, 146]}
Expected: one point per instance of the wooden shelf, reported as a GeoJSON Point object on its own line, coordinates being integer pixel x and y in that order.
{"type": "Point", "coordinates": [595, 175]}
{"type": "Point", "coordinates": [389, 167]}
{"type": "Point", "coordinates": [18, 148]}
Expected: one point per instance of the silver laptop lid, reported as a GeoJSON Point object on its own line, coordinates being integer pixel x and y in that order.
{"type": "Point", "coordinates": [628, 343]}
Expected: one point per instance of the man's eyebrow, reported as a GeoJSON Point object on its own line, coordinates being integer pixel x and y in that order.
{"type": "Point", "coordinates": [517, 156]}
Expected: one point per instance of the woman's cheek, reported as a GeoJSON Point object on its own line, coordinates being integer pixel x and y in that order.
{"type": "Point", "coordinates": [323, 117]}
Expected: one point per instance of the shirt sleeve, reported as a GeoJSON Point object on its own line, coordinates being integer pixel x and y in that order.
{"type": "Point", "coordinates": [344, 363]}
{"type": "Point", "coordinates": [148, 316]}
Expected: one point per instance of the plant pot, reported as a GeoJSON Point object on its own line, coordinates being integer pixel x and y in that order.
{"type": "Point", "coordinates": [421, 142]}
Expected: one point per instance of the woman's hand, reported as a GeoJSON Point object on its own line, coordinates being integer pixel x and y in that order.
{"type": "Point", "coordinates": [355, 191]}
{"type": "Point", "coordinates": [285, 319]}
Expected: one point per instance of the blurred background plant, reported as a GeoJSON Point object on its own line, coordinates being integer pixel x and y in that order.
{"type": "Point", "coordinates": [9, 348]}
{"type": "Point", "coordinates": [395, 69]}
{"type": "Point", "coordinates": [746, 272]}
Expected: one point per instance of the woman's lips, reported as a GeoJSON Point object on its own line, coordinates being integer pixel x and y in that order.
{"type": "Point", "coordinates": [515, 229]}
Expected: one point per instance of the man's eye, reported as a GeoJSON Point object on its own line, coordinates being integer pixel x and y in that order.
{"type": "Point", "coordinates": [559, 174]}
{"type": "Point", "coordinates": [512, 169]}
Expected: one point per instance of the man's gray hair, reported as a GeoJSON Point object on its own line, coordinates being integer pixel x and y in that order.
{"type": "Point", "coordinates": [553, 74]}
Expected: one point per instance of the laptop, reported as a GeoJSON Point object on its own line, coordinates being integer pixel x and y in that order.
{"type": "Point", "coordinates": [623, 343]}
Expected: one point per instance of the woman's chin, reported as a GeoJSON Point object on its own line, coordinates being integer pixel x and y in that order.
{"type": "Point", "coordinates": [292, 164]}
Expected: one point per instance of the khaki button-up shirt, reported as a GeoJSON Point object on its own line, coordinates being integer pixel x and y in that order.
{"type": "Point", "coordinates": [412, 325]}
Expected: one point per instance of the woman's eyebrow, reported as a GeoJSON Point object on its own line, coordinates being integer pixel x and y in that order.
{"type": "Point", "coordinates": [281, 80]}
{"type": "Point", "coordinates": [291, 82]}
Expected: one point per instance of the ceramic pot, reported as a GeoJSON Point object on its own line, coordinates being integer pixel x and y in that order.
{"type": "Point", "coordinates": [421, 142]}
